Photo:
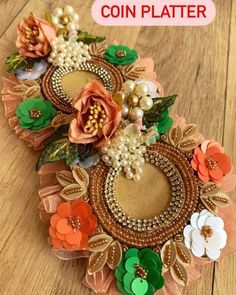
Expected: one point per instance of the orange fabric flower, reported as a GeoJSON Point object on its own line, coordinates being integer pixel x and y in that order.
{"type": "Point", "coordinates": [72, 224]}
{"type": "Point", "coordinates": [97, 118]}
{"type": "Point", "coordinates": [211, 162]}
{"type": "Point", "coordinates": [34, 36]}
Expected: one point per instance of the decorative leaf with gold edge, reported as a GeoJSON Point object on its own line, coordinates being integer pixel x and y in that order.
{"type": "Point", "coordinates": [168, 254]}
{"type": "Point", "coordinates": [114, 254]}
{"type": "Point", "coordinates": [65, 178]}
{"type": "Point", "coordinates": [99, 243]}
{"type": "Point", "coordinates": [96, 261]}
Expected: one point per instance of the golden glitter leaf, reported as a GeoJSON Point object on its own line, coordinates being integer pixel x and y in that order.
{"type": "Point", "coordinates": [210, 189]}
{"type": "Point", "coordinates": [220, 200]}
{"type": "Point", "coordinates": [179, 273]}
{"type": "Point", "coordinates": [30, 83]}
{"type": "Point", "coordinates": [97, 260]}
{"type": "Point", "coordinates": [99, 243]}
{"type": "Point", "coordinates": [33, 91]}
{"type": "Point", "coordinates": [72, 192]}
{"type": "Point", "coordinates": [188, 144]}
{"type": "Point", "coordinates": [18, 90]}
{"type": "Point", "coordinates": [81, 176]}
{"type": "Point", "coordinates": [65, 178]}
{"type": "Point", "coordinates": [168, 254]}
{"type": "Point", "coordinates": [189, 130]}
{"type": "Point", "coordinates": [98, 49]}
{"type": "Point", "coordinates": [175, 135]}
{"type": "Point", "coordinates": [114, 254]}
{"type": "Point", "coordinates": [209, 204]}
{"type": "Point", "coordinates": [184, 255]}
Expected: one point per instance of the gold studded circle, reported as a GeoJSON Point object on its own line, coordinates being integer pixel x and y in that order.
{"type": "Point", "coordinates": [52, 89]}
{"type": "Point", "coordinates": [169, 228]}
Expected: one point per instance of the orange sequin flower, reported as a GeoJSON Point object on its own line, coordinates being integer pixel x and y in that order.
{"type": "Point", "coordinates": [211, 162]}
{"type": "Point", "coordinates": [72, 224]}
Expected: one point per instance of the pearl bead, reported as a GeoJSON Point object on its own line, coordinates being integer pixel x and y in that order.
{"type": "Point", "coordinates": [139, 170]}
{"type": "Point", "coordinates": [129, 175]}
{"type": "Point", "coordinates": [125, 156]}
{"type": "Point", "coordinates": [71, 26]}
{"type": "Point", "coordinates": [137, 177]}
{"type": "Point", "coordinates": [121, 139]}
{"type": "Point", "coordinates": [129, 86]}
{"type": "Point", "coordinates": [104, 149]}
{"type": "Point", "coordinates": [143, 148]}
{"type": "Point", "coordinates": [133, 100]}
{"type": "Point", "coordinates": [55, 20]}
{"type": "Point", "coordinates": [136, 113]}
{"type": "Point", "coordinates": [142, 89]}
{"type": "Point", "coordinates": [127, 169]}
{"type": "Point", "coordinates": [58, 12]}
{"type": "Point", "coordinates": [75, 17]}
{"type": "Point", "coordinates": [105, 158]}
{"type": "Point", "coordinates": [136, 165]}
{"type": "Point", "coordinates": [125, 111]}
{"type": "Point", "coordinates": [116, 164]}
{"type": "Point", "coordinates": [146, 103]}
{"type": "Point", "coordinates": [69, 9]}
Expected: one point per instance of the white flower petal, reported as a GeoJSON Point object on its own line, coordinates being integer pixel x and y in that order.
{"type": "Point", "coordinates": [213, 243]}
{"type": "Point", "coordinates": [216, 223]}
{"type": "Point", "coordinates": [202, 219]}
{"type": "Point", "coordinates": [223, 235]}
{"type": "Point", "coordinates": [197, 238]}
{"type": "Point", "coordinates": [194, 219]}
{"type": "Point", "coordinates": [204, 211]}
{"type": "Point", "coordinates": [187, 231]}
{"type": "Point", "coordinates": [187, 243]}
{"type": "Point", "coordinates": [198, 251]}
{"type": "Point", "coordinates": [214, 255]}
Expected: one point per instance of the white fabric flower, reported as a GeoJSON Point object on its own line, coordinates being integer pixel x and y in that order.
{"type": "Point", "coordinates": [152, 87]}
{"type": "Point", "coordinates": [205, 235]}
{"type": "Point", "coordinates": [38, 69]}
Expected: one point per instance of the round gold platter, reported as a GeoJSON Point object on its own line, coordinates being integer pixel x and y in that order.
{"type": "Point", "coordinates": [171, 198]}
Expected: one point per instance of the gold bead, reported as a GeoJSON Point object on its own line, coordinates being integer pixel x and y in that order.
{"type": "Point", "coordinates": [133, 100]}
{"type": "Point", "coordinates": [119, 98]}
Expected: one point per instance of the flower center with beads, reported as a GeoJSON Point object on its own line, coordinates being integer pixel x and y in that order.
{"type": "Point", "coordinates": [206, 231]}
{"type": "Point", "coordinates": [96, 118]}
{"type": "Point", "coordinates": [140, 272]}
{"type": "Point", "coordinates": [31, 34]}
{"type": "Point", "coordinates": [120, 53]}
{"type": "Point", "coordinates": [74, 222]}
{"type": "Point", "coordinates": [35, 113]}
{"type": "Point", "coordinates": [212, 164]}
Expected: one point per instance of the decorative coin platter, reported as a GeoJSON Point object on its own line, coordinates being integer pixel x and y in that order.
{"type": "Point", "coordinates": [125, 183]}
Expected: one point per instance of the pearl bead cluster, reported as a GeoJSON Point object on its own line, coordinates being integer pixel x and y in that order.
{"type": "Point", "coordinates": [66, 18]}
{"type": "Point", "coordinates": [68, 53]}
{"type": "Point", "coordinates": [134, 99]}
{"type": "Point", "coordinates": [126, 152]}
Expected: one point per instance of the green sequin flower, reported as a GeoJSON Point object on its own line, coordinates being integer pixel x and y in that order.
{"type": "Point", "coordinates": [165, 123]}
{"type": "Point", "coordinates": [139, 272]}
{"type": "Point", "coordinates": [35, 113]}
{"type": "Point", "coordinates": [120, 55]}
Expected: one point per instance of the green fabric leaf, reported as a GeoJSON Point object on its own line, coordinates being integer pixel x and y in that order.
{"type": "Point", "coordinates": [59, 150]}
{"type": "Point", "coordinates": [152, 116]}
{"type": "Point", "coordinates": [87, 38]}
{"type": "Point", "coordinates": [15, 61]}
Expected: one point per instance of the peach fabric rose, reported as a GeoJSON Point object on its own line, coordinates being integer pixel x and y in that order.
{"type": "Point", "coordinates": [97, 118]}
{"type": "Point", "coordinates": [34, 36]}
